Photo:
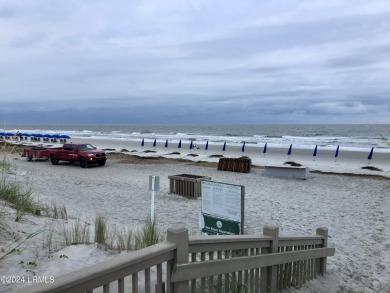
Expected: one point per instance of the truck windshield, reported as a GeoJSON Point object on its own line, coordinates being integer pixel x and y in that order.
{"type": "Point", "coordinates": [86, 147]}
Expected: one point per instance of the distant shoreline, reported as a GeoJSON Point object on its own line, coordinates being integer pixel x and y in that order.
{"type": "Point", "coordinates": [348, 162]}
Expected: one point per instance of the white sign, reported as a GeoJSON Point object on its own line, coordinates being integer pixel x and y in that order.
{"type": "Point", "coordinates": [222, 200]}
{"type": "Point", "coordinates": [154, 183]}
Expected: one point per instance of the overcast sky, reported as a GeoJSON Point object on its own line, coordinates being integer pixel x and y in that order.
{"type": "Point", "coordinates": [177, 61]}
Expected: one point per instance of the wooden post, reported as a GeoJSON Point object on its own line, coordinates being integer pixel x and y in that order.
{"type": "Point", "coordinates": [272, 277]}
{"type": "Point", "coordinates": [179, 236]}
{"type": "Point", "coordinates": [324, 233]}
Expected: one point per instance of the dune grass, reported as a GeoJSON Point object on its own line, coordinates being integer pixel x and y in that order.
{"type": "Point", "coordinates": [22, 199]}
{"type": "Point", "coordinates": [75, 232]}
{"type": "Point", "coordinates": [148, 234]}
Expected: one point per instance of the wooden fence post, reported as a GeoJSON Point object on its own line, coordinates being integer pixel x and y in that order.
{"type": "Point", "coordinates": [272, 277]}
{"type": "Point", "coordinates": [324, 233]}
{"type": "Point", "coordinates": [179, 236]}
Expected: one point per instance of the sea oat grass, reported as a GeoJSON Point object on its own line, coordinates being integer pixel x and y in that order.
{"type": "Point", "coordinates": [100, 230]}
{"type": "Point", "coordinates": [74, 233]}
{"type": "Point", "coordinates": [55, 211]}
{"type": "Point", "coordinates": [149, 234]}
{"type": "Point", "coordinates": [124, 240]}
{"type": "Point", "coordinates": [22, 200]}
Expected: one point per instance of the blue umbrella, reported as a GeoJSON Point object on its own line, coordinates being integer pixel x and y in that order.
{"type": "Point", "coordinates": [289, 150]}
{"type": "Point", "coordinates": [2, 133]}
{"type": "Point", "coordinates": [143, 143]}
{"type": "Point", "coordinates": [9, 134]}
{"type": "Point", "coordinates": [39, 135]}
{"type": "Point", "coordinates": [370, 155]}
{"type": "Point", "coordinates": [154, 143]}
{"type": "Point", "coordinates": [64, 136]}
{"type": "Point", "coordinates": [315, 153]}
{"type": "Point", "coordinates": [56, 136]}
{"type": "Point", "coordinates": [243, 147]}
{"type": "Point", "coordinates": [48, 135]}
{"type": "Point", "coordinates": [337, 153]}
{"type": "Point", "coordinates": [179, 145]}
{"type": "Point", "coordinates": [206, 146]}
{"type": "Point", "coordinates": [265, 149]}
{"type": "Point", "coordinates": [191, 145]}
{"type": "Point", "coordinates": [224, 147]}
{"type": "Point", "coordinates": [166, 143]}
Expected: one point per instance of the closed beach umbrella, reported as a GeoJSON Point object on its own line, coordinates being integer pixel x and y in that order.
{"type": "Point", "coordinates": [315, 153]}
{"type": "Point", "coordinates": [265, 149]}
{"type": "Point", "coordinates": [243, 147]}
{"type": "Point", "coordinates": [143, 143]}
{"type": "Point", "coordinates": [224, 147]}
{"type": "Point", "coordinates": [337, 152]}
{"type": "Point", "coordinates": [154, 143]}
{"type": "Point", "coordinates": [166, 143]}
{"type": "Point", "coordinates": [179, 145]}
{"type": "Point", "coordinates": [289, 150]}
{"type": "Point", "coordinates": [370, 155]}
{"type": "Point", "coordinates": [207, 145]}
{"type": "Point", "coordinates": [191, 145]}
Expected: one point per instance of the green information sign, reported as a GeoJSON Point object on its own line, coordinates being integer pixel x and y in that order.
{"type": "Point", "coordinates": [222, 208]}
{"type": "Point", "coordinates": [217, 226]}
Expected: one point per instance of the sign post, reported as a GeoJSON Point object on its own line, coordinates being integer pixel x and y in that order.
{"type": "Point", "coordinates": [222, 208]}
{"type": "Point", "coordinates": [154, 185]}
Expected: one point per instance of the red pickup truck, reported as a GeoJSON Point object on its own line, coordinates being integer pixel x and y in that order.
{"type": "Point", "coordinates": [85, 154]}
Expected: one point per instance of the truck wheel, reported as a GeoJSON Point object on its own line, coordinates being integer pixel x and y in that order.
{"type": "Point", "coordinates": [54, 160]}
{"type": "Point", "coordinates": [83, 163]}
{"type": "Point", "coordinates": [29, 158]}
{"type": "Point", "coordinates": [102, 163]}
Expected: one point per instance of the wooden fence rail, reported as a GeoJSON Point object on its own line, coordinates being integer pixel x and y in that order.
{"type": "Point", "coordinates": [182, 264]}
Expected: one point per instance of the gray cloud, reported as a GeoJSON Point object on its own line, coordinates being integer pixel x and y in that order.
{"type": "Point", "coordinates": [246, 62]}
{"type": "Point", "coordinates": [7, 11]}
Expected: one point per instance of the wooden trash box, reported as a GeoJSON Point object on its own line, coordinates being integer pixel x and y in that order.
{"type": "Point", "coordinates": [242, 164]}
{"type": "Point", "coordinates": [186, 184]}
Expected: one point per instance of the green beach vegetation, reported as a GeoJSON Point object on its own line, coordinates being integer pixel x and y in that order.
{"type": "Point", "coordinates": [61, 230]}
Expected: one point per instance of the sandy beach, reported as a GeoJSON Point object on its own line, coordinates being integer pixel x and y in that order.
{"type": "Point", "coordinates": [353, 207]}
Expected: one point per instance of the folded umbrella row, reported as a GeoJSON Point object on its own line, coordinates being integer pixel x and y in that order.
{"type": "Point", "coordinates": [289, 152]}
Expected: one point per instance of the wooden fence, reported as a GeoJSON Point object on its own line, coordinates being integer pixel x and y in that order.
{"type": "Point", "coordinates": [242, 164]}
{"type": "Point", "coordinates": [182, 264]}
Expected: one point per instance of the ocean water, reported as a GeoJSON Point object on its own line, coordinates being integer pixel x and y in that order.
{"type": "Point", "coordinates": [304, 136]}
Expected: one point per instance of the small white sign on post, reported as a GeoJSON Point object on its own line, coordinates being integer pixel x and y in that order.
{"type": "Point", "coordinates": [154, 185]}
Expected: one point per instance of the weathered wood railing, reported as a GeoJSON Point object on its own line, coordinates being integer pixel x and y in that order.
{"type": "Point", "coordinates": [182, 264]}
